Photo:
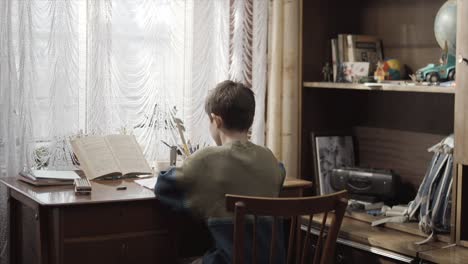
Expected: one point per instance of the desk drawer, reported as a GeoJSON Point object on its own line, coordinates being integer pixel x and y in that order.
{"type": "Point", "coordinates": [112, 218]}
{"type": "Point", "coordinates": [141, 248]}
{"type": "Point", "coordinates": [348, 252]}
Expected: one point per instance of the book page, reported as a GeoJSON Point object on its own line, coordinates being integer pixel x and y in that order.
{"type": "Point", "coordinates": [148, 183]}
{"type": "Point", "coordinates": [128, 154]}
{"type": "Point", "coordinates": [95, 157]}
{"type": "Point", "coordinates": [55, 175]}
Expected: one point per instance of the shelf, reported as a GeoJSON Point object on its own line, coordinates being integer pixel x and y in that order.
{"type": "Point", "coordinates": [359, 232]}
{"type": "Point", "coordinates": [409, 227]}
{"type": "Point", "coordinates": [449, 254]}
{"type": "Point", "coordinates": [385, 87]}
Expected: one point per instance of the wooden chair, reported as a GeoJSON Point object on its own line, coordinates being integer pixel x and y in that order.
{"type": "Point", "coordinates": [292, 208]}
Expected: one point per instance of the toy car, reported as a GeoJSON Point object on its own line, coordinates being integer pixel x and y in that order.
{"type": "Point", "coordinates": [436, 73]}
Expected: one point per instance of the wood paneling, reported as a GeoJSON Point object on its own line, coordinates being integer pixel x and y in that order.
{"type": "Point", "coordinates": [131, 248]}
{"type": "Point", "coordinates": [406, 28]}
{"type": "Point", "coordinates": [412, 121]}
{"type": "Point", "coordinates": [462, 204]}
{"type": "Point", "coordinates": [461, 127]}
{"type": "Point", "coordinates": [113, 218]}
{"type": "Point", "coordinates": [404, 152]}
{"type": "Point", "coordinates": [27, 252]}
{"type": "Point", "coordinates": [415, 112]}
{"type": "Point", "coordinates": [323, 20]}
{"type": "Point", "coordinates": [461, 116]}
{"type": "Point", "coordinates": [325, 111]}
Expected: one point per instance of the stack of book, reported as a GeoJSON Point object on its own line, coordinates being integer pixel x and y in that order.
{"type": "Point", "coordinates": [349, 48]}
{"type": "Point", "coordinates": [48, 177]}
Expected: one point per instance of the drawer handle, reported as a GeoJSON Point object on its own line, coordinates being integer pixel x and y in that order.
{"type": "Point", "coordinates": [124, 249]}
{"type": "Point", "coordinates": [339, 258]}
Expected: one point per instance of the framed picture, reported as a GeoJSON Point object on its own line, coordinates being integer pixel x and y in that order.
{"type": "Point", "coordinates": [354, 71]}
{"type": "Point", "coordinates": [330, 151]}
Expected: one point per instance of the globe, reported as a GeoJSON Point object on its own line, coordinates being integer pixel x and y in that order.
{"type": "Point", "coordinates": [445, 26]}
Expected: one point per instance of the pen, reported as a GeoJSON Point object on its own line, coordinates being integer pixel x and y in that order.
{"type": "Point", "coordinates": [189, 147]}
{"type": "Point", "coordinates": [165, 143]}
{"type": "Point", "coordinates": [169, 146]}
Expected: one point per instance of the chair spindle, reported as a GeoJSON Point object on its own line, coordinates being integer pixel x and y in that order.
{"type": "Point", "coordinates": [292, 230]}
{"type": "Point", "coordinates": [254, 241]}
{"type": "Point", "coordinates": [307, 237]}
{"type": "Point", "coordinates": [320, 238]}
{"type": "Point", "coordinates": [273, 240]}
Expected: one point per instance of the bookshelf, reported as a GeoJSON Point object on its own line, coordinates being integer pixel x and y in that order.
{"type": "Point", "coordinates": [394, 124]}
{"type": "Point", "coordinates": [383, 87]}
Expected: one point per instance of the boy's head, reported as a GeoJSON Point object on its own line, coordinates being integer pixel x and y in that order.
{"type": "Point", "coordinates": [231, 108]}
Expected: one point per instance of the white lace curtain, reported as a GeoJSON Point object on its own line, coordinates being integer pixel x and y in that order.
{"type": "Point", "coordinates": [118, 66]}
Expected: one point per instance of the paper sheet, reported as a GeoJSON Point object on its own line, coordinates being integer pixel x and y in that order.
{"type": "Point", "coordinates": [56, 175]}
{"type": "Point", "coordinates": [148, 183]}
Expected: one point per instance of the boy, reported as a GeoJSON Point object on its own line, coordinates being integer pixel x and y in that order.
{"type": "Point", "coordinates": [234, 166]}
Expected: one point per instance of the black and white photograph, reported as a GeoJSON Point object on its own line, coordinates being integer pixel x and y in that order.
{"type": "Point", "coordinates": [330, 151]}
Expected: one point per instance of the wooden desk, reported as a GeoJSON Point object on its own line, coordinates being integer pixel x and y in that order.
{"type": "Point", "coordinates": [53, 225]}
{"type": "Point", "coordinates": [358, 240]}
{"type": "Point", "coordinates": [449, 254]}
{"type": "Point", "coordinates": [294, 187]}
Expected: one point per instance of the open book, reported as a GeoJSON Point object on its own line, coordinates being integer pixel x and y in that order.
{"type": "Point", "coordinates": [110, 156]}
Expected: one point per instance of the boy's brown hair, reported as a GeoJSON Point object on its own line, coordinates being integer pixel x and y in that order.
{"type": "Point", "coordinates": [234, 103]}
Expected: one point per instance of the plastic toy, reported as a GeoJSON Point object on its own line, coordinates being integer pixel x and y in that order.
{"type": "Point", "coordinates": [379, 74]}
{"type": "Point", "coordinates": [445, 71]}
{"type": "Point", "coordinates": [445, 28]}
{"type": "Point", "coordinates": [392, 69]}
{"type": "Point", "coordinates": [327, 72]}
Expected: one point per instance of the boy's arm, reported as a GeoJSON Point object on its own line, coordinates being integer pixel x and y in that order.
{"type": "Point", "coordinates": [169, 190]}
{"type": "Point", "coordinates": [174, 186]}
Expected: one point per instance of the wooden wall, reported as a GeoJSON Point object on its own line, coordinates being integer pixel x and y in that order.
{"type": "Point", "coordinates": [393, 130]}
{"type": "Point", "coordinates": [405, 26]}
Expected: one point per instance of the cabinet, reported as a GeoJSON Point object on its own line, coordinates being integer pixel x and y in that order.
{"type": "Point", "coordinates": [349, 251]}
{"type": "Point", "coordinates": [129, 232]}
{"type": "Point", "coordinates": [461, 101]}
{"type": "Point", "coordinates": [461, 124]}
{"type": "Point", "coordinates": [53, 225]}
{"type": "Point", "coordinates": [133, 248]}
{"type": "Point", "coordinates": [393, 126]}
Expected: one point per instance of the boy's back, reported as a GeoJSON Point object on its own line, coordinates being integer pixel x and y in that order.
{"type": "Point", "coordinates": [201, 183]}
{"type": "Point", "coordinates": [234, 168]}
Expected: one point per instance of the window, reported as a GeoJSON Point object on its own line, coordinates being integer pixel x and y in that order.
{"type": "Point", "coordinates": [119, 66]}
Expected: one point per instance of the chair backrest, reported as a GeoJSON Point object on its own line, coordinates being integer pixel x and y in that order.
{"type": "Point", "coordinates": [292, 208]}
